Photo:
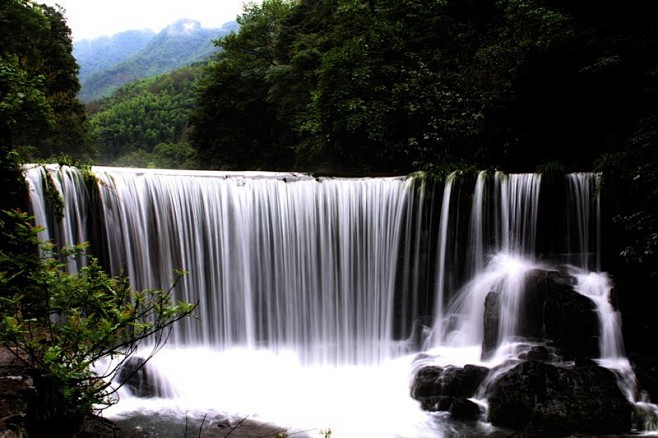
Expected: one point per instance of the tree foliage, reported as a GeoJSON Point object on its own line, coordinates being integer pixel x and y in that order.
{"type": "Point", "coordinates": [395, 85]}
{"type": "Point", "coordinates": [235, 88]}
{"type": "Point", "coordinates": [62, 325]}
{"type": "Point", "coordinates": [38, 83]}
{"type": "Point", "coordinates": [146, 119]}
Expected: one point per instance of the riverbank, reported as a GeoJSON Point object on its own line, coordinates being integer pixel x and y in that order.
{"type": "Point", "coordinates": [16, 392]}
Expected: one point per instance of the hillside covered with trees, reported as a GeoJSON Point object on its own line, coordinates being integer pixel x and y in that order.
{"type": "Point", "coordinates": [391, 85]}
{"type": "Point", "coordinates": [99, 54]}
{"type": "Point", "coordinates": [145, 123]}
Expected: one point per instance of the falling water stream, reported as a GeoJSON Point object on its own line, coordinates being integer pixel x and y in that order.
{"type": "Point", "coordinates": [306, 319]}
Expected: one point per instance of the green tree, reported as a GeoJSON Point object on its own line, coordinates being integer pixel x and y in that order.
{"type": "Point", "coordinates": [38, 49]}
{"type": "Point", "coordinates": [143, 114]}
{"type": "Point", "coordinates": [234, 125]}
{"type": "Point", "coordinates": [175, 156]}
{"type": "Point", "coordinates": [59, 325]}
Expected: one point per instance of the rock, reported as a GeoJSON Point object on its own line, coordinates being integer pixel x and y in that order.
{"type": "Point", "coordinates": [463, 382]}
{"type": "Point", "coordinates": [95, 426]}
{"type": "Point", "coordinates": [570, 320]}
{"type": "Point", "coordinates": [436, 403]}
{"type": "Point", "coordinates": [460, 408]}
{"type": "Point", "coordinates": [551, 310]}
{"type": "Point", "coordinates": [139, 379]}
{"type": "Point", "coordinates": [448, 389]}
{"type": "Point", "coordinates": [15, 392]}
{"type": "Point", "coordinates": [490, 323]}
{"type": "Point", "coordinates": [538, 353]}
{"type": "Point", "coordinates": [465, 410]}
{"type": "Point", "coordinates": [426, 382]}
{"type": "Point", "coordinates": [431, 381]}
{"type": "Point", "coordinates": [540, 398]}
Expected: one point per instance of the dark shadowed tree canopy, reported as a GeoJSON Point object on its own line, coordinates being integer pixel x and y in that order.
{"type": "Point", "coordinates": [235, 92]}
{"type": "Point", "coordinates": [394, 85]}
{"type": "Point", "coordinates": [38, 83]}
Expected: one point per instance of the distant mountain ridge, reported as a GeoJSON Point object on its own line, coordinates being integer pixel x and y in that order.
{"type": "Point", "coordinates": [107, 63]}
{"type": "Point", "coordinates": [101, 53]}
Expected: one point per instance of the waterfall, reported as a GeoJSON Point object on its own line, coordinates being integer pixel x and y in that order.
{"type": "Point", "coordinates": [597, 287]}
{"type": "Point", "coordinates": [301, 265]}
{"type": "Point", "coordinates": [507, 252]}
{"type": "Point", "coordinates": [441, 264]}
{"type": "Point", "coordinates": [585, 201]}
{"type": "Point", "coordinates": [69, 184]}
{"type": "Point", "coordinates": [328, 283]}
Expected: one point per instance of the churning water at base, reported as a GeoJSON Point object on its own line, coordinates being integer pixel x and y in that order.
{"type": "Point", "coordinates": [316, 295]}
{"type": "Point", "coordinates": [263, 386]}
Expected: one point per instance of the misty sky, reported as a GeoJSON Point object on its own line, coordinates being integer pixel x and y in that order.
{"type": "Point", "coordinates": [93, 18]}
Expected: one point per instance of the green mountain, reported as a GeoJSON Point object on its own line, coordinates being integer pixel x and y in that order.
{"type": "Point", "coordinates": [180, 44]}
{"type": "Point", "coordinates": [99, 54]}
{"type": "Point", "coordinates": [144, 123]}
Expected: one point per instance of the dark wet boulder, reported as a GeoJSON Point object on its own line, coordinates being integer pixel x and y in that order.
{"type": "Point", "coordinates": [448, 389]}
{"type": "Point", "coordinates": [569, 319]}
{"type": "Point", "coordinates": [449, 381]}
{"type": "Point", "coordinates": [550, 310]}
{"type": "Point", "coordinates": [540, 398]}
{"type": "Point", "coordinates": [427, 382]}
{"type": "Point", "coordinates": [137, 376]}
{"type": "Point", "coordinates": [461, 409]}
{"type": "Point", "coordinates": [436, 403]}
{"type": "Point", "coordinates": [463, 382]}
{"type": "Point", "coordinates": [490, 323]}
{"type": "Point", "coordinates": [539, 353]}
{"type": "Point", "coordinates": [465, 410]}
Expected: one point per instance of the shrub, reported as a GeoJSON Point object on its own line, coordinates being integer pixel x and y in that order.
{"type": "Point", "coordinates": [60, 324]}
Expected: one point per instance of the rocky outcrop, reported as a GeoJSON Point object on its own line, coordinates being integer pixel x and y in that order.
{"type": "Point", "coordinates": [15, 391]}
{"type": "Point", "coordinates": [448, 389]}
{"type": "Point", "coordinates": [136, 376]}
{"type": "Point", "coordinates": [540, 398]}
{"type": "Point", "coordinates": [551, 310]}
{"type": "Point", "coordinates": [646, 370]}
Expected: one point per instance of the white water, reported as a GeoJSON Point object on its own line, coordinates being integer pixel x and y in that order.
{"type": "Point", "coordinates": [296, 281]}
{"type": "Point", "coordinates": [441, 265]}
{"type": "Point", "coordinates": [306, 266]}
{"type": "Point", "coordinates": [509, 259]}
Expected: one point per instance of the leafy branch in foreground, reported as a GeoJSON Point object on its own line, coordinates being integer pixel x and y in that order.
{"type": "Point", "coordinates": [59, 325]}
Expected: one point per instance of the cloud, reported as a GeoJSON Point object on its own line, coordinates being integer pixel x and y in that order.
{"type": "Point", "coordinates": [93, 18]}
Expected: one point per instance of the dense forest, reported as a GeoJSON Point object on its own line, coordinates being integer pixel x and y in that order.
{"type": "Point", "coordinates": [393, 85]}
{"type": "Point", "coordinates": [145, 123]}
{"type": "Point", "coordinates": [40, 113]}
{"type": "Point", "coordinates": [378, 87]}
